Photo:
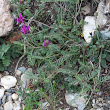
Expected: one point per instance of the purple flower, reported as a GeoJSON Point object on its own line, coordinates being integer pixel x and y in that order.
{"type": "Point", "coordinates": [21, 1]}
{"type": "Point", "coordinates": [25, 29]}
{"type": "Point", "coordinates": [19, 19]}
{"type": "Point", "coordinates": [46, 42]}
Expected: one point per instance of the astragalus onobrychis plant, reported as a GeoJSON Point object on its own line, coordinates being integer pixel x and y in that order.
{"type": "Point", "coordinates": [52, 40]}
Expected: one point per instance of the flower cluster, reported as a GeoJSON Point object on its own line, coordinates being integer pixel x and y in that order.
{"type": "Point", "coordinates": [19, 20]}
{"type": "Point", "coordinates": [24, 28]}
{"type": "Point", "coordinates": [46, 42]}
{"type": "Point", "coordinates": [21, 1]}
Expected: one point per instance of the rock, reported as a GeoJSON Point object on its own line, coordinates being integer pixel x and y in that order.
{"type": "Point", "coordinates": [9, 98]}
{"type": "Point", "coordinates": [1, 92]}
{"type": "Point", "coordinates": [101, 17]}
{"type": "Point", "coordinates": [0, 76]}
{"type": "Point", "coordinates": [45, 105]}
{"type": "Point", "coordinates": [18, 72]}
{"type": "Point", "coordinates": [93, 101]}
{"type": "Point", "coordinates": [8, 105]}
{"type": "Point", "coordinates": [89, 28]}
{"type": "Point", "coordinates": [105, 34]}
{"type": "Point", "coordinates": [22, 69]}
{"type": "Point", "coordinates": [107, 7]}
{"type": "Point", "coordinates": [76, 100]}
{"type": "Point", "coordinates": [25, 81]}
{"type": "Point", "coordinates": [14, 96]}
{"type": "Point", "coordinates": [4, 99]}
{"type": "Point", "coordinates": [0, 103]}
{"type": "Point", "coordinates": [1, 108]}
{"type": "Point", "coordinates": [11, 90]}
{"type": "Point", "coordinates": [25, 78]}
{"type": "Point", "coordinates": [6, 19]}
{"type": "Point", "coordinates": [20, 98]}
{"type": "Point", "coordinates": [16, 105]}
{"type": "Point", "coordinates": [6, 72]}
{"type": "Point", "coordinates": [67, 109]}
{"type": "Point", "coordinates": [8, 81]}
{"type": "Point", "coordinates": [86, 10]}
{"type": "Point", "coordinates": [7, 94]}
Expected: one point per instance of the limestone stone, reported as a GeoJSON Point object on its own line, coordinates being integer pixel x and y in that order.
{"type": "Point", "coordinates": [1, 92]}
{"type": "Point", "coordinates": [76, 100]}
{"type": "Point", "coordinates": [89, 28]}
{"type": "Point", "coordinates": [6, 19]}
{"type": "Point", "coordinates": [8, 105]}
{"type": "Point", "coordinates": [14, 96]}
{"type": "Point", "coordinates": [16, 105]}
{"type": "Point", "coordinates": [8, 81]}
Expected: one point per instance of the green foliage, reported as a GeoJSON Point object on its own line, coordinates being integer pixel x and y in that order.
{"type": "Point", "coordinates": [68, 61]}
{"type": "Point", "coordinates": [7, 51]}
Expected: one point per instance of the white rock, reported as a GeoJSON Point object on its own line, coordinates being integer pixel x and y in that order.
{"type": "Point", "coordinates": [45, 105]}
{"type": "Point", "coordinates": [76, 100]}
{"type": "Point", "coordinates": [9, 98]}
{"type": "Point", "coordinates": [8, 105]}
{"type": "Point", "coordinates": [89, 28]}
{"type": "Point", "coordinates": [93, 101]}
{"type": "Point", "coordinates": [101, 18]}
{"type": "Point", "coordinates": [25, 80]}
{"type": "Point", "coordinates": [1, 92]}
{"type": "Point", "coordinates": [4, 99]}
{"type": "Point", "coordinates": [6, 19]}
{"type": "Point", "coordinates": [8, 81]}
{"type": "Point", "coordinates": [16, 105]}
{"type": "Point", "coordinates": [14, 96]}
{"type": "Point", "coordinates": [107, 7]}
{"type": "Point", "coordinates": [18, 72]}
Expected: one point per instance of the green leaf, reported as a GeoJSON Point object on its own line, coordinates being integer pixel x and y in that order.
{"type": "Point", "coordinates": [103, 63]}
{"type": "Point", "coordinates": [6, 62]}
{"type": "Point", "coordinates": [78, 77]}
{"type": "Point", "coordinates": [107, 56]}
{"type": "Point", "coordinates": [103, 56]}
{"type": "Point", "coordinates": [4, 49]}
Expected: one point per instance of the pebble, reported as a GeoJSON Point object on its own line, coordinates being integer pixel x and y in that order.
{"type": "Point", "coordinates": [18, 72]}
{"type": "Point", "coordinates": [6, 19]}
{"type": "Point", "coordinates": [1, 92]}
{"type": "Point", "coordinates": [16, 105]}
{"type": "Point", "coordinates": [8, 81]}
{"type": "Point", "coordinates": [4, 99]}
{"type": "Point", "coordinates": [22, 69]}
{"type": "Point", "coordinates": [45, 105]}
{"type": "Point", "coordinates": [93, 101]}
{"type": "Point", "coordinates": [1, 108]}
{"type": "Point", "coordinates": [9, 98]}
{"type": "Point", "coordinates": [11, 90]}
{"type": "Point", "coordinates": [7, 93]}
{"type": "Point", "coordinates": [8, 105]}
{"type": "Point", "coordinates": [76, 100]}
{"type": "Point", "coordinates": [25, 81]}
{"type": "Point", "coordinates": [20, 98]}
{"type": "Point", "coordinates": [14, 96]}
{"type": "Point", "coordinates": [6, 72]}
{"type": "Point", "coordinates": [0, 103]}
